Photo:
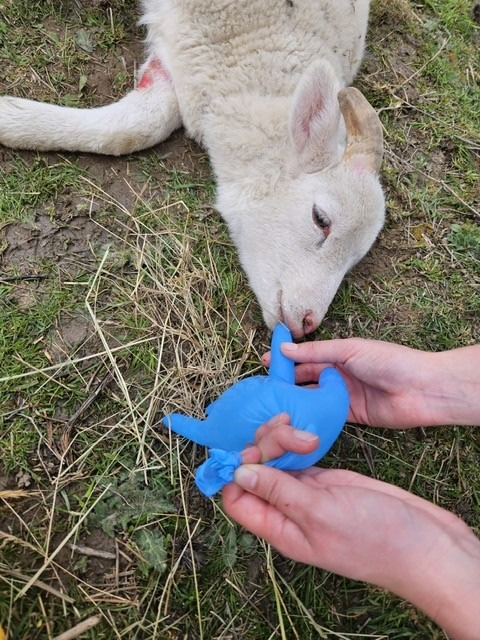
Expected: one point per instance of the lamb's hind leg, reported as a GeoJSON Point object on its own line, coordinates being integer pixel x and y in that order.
{"type": "Point", "coordinates": [144, 117]}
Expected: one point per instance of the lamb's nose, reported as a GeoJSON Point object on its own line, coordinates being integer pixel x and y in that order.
{"type": "Point", "coordinates": [308, 322]}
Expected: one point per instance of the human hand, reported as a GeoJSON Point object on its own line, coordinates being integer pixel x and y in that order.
{"type": "Point", "coordinates": [276, 443]}
{"type": "Point", "coordinates": [395, 386]}
{"type": "Point", "coordinates": [366, 530]}
{"type": "Point", "coordinates": [275, 438]}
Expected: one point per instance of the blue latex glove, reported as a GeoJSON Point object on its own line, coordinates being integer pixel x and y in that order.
{"type": "Point", "coordinates": [233, 419]}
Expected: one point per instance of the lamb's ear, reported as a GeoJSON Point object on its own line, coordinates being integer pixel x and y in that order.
{"type": "Point", "coordinates": [315, 118]}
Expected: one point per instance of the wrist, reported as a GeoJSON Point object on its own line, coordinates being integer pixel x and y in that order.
{"type": "Point", "coordinates": [455, 386]}
{"type": "Point", "coordinates": [447, 589]}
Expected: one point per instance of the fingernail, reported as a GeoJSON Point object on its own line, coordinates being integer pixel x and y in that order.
{"type": "Point", "coordinates": [288, 346]}
{"type": "Point", "coordinates": [245, 477]}
{"type": "Point", "coordinates": [306, 436]}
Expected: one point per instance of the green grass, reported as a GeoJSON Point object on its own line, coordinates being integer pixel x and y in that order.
{"type": "Point", "coordinates": [25, 185]}
{"type": "Point", "coordinates": [153, 314]}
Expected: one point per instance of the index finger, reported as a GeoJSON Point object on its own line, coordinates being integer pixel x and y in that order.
{"type": "Point", "coordinates": [307, 373]}
{"type": "Point", "coordinates": [337, 351]}
{"type": "Point", "coordinates": [273, 443]}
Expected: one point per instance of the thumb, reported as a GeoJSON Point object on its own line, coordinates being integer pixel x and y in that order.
{"type": "Point", "coordinates": [273, 505]}
{"type": "Point", "coordinates": [279, 489]}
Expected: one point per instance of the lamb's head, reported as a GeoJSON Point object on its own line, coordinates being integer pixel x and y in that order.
{"type": "Point", "coordinates": [311, 213]}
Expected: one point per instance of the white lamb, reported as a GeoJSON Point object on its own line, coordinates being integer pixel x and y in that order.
{"type": "Point", "coordinates": [260, 84]}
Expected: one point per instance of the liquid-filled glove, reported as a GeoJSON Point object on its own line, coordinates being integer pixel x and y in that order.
{"type": "Point", "coordinates": [233, 419]}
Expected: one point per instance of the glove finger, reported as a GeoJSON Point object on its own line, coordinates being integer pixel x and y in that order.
{"type": "Point", "coordinates": [212, 405]}
{"type": "Point", "coordinates": [334, 392]}
{"type": "Point", "coordinates": [281, 367]}
{"type": "Point", "coordinates": [184, 426]}
{"type": "Point", "coordinates": [331, 379]}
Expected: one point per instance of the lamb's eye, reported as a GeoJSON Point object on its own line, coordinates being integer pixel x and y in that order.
{"type": "Point", "coordinates": [321, 219]}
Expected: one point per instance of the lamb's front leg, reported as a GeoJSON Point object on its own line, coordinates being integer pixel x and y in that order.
{"type": "Point", "coordinates": [144, 117]}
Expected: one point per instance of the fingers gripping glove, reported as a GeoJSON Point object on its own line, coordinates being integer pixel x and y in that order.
{"type": "Point", "coordinates": [233, 419]}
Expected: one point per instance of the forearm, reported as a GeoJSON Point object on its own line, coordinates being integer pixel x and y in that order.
{"type": "Point", "coordinates": [449, 592]}
{"type": "Point", "coordinates": [455, 389]}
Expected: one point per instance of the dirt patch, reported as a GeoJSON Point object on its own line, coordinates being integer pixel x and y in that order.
{"type": "Point", "coordinates": [68, 231]}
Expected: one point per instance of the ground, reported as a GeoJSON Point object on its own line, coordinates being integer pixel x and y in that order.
{"type": "Point", "coordinates": [121, 299]}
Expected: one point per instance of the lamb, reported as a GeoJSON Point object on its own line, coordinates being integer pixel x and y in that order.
{"type": "Point", "coordinates": [296, 152]}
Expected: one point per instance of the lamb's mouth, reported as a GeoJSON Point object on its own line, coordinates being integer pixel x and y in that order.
{"type": "Point", "coordinates": [278, 314]}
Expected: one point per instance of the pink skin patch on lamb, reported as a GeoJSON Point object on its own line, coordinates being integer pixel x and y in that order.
{"type": "Point", "coordinates": [154, 71]}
